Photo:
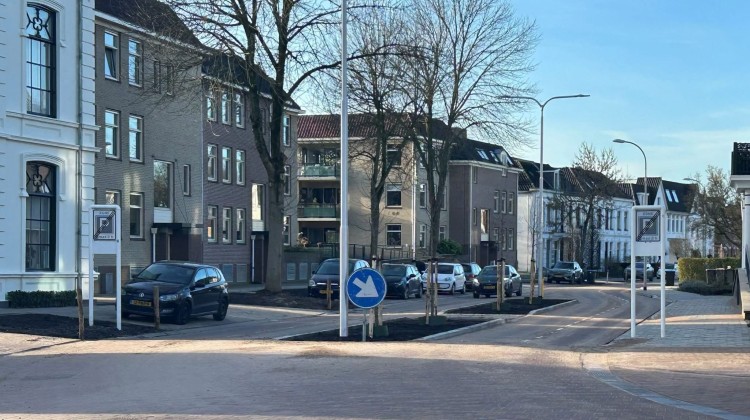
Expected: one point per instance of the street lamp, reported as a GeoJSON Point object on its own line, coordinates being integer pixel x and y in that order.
{"type": "Point", "coordinates": [645, 169]}
{"type": "Point", "coordinates": [540, 248]}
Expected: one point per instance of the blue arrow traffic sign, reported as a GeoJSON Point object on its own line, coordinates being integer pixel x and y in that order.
{"type": "Point", "coordinates": [366, 288]}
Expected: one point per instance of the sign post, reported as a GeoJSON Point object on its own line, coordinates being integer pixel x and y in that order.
{"type": "Point", "coordinates": [105, 239]}
{"type": "Point", "coordinates": [647, 238]}
{"type": "Point", "coordinates": [366, 289]}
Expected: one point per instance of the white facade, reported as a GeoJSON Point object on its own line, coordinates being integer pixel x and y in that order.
{"type": "Point", "coordinates": [46, 140]}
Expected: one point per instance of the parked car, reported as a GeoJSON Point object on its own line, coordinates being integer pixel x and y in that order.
{"type": "Point", "coordinates": [486, 282]}
{"type": "Point", "coordinates": [569, 271]}
{"type": "Point", "coordinates": [185, 290]}
{"type": "Point", "coordinates": [450, 278]}
{"type": "Point", "coordinates": [471, 271]}
{"type": "Point", "coordinates": [670, 270]}
{"type": "Point", "coordinates": [639, 271]}
{"type": "Point", "coordinates": [329, 270]}
{"type": "Point", "coordinates": [402, 280]}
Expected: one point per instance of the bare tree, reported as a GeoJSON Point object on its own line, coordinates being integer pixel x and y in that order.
{"type": "Point", "coordinates": [584, 199]}
{"type": "Point", "coordinates": [719, 207]}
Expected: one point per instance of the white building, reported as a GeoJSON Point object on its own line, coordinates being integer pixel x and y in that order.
{"type": "Point", "coordinates": [46, 142]}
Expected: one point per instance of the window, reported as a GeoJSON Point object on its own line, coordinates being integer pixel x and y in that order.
{"type": "Point", "coordinates": [504, 202]}
{"type": "Point", "coordinates": [625, 222]}
{"type": "Point", "coordinates": [40, 216]}
{"type": "Point", "coordinates": [210, 106]}
{"type": "Point", "coordinates": [239, 236]}
{"type": "Point", "coordinates": [504, 239]}
{"type": "Point", "coordinates": [511, 202]}
{"type": "Point", "coordinates": [211, 223]}
{"type": "Point", "coordinates": [112, 133]}
{"type": "Point", "coordinates": [474, 174]}
{"type": "Point", "coordinates": [422, 235]}
{"type": "Point", "coordinates": [287, 131]}
{"type": "Point", "coordinates": [441, 233]}
{"type": "Point", "coordinates": [496, 235]}
{"type": "Point", "coordinates": [484, 220]}
{"type": "Point", "coordinates": [422, 196]}
{"type": "Point", "coordinates": [211, 163]}
{"type": "Point", "coordinates": [393, 156]}
{"type": "Point", "coordinates": [135, 133]}
{"type": "Point", "coordinates": [40, 61]}
{"type": "Point", "coordinates": [496, 202]}
{"type": "Point", "coordinates": [510, 239]}
{"type": "Point", "coordinates": [287, 226]}
{"type": "Point", "coordinates": [136, 215]}
{"type": "Point", "coordinates": [157, 76]}
{"type": "Point", "coordinates": [112, 197]}
{"type": "Point", "coordinates": [393, 235]}
{"type": "Point", "coordinates": [226, 226]}
{"type": "Point", "coordinates": [393, 195]}
{"type": "Point", "coordinates": [186, 181]}
{"type": "Point", "coordinates": [225, 107]}
{"type": "Point", "coordinates": [444, 204]}
{"type": "Point", "coordinates": [474, 216]}
{"type": "Point", "coordinates": [239, 166]}
{"type": "Point", "coordinates": [226, 165]}
{"type": "Point", "coordinates": [134, 62]}
{"type": "Point", "coordinates": [111, 56]}
{"type": "Point", "coordinates": [287, 180]}
{"type": "Point", "coordinates": [239, 110]}
{"type": "Point", "coordinates": [256, 202]}
{"type": "Point", "coordinates": [162, 185]}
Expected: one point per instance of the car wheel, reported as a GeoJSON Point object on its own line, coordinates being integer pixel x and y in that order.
{"type": "Point", "coordinates": [520, 290]}
{"type": "Point", "coordinates": [418, 293]}
{"type": "Point", "coordinates": [405, 295]}
{"type": "Point", "coordinates": [476, 295]}
{"type": "Point", "coordinates": [453, 289]}
{"type": "Point", "coordinates": [463, 289]}
{"type": "Point", "coordinates": [182, 315]}
{"type": "Point", "coordinates": [221, 311]}
{"type": "Point", "coordinates": [487, 295]}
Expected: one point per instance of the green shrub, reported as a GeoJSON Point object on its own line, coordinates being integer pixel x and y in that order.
{"type": "Point", "coordinates": [703, 288]}
{"type": "Point", "coordinates": [695, 268]}
{"type": "Point", "coordinates": [448, 246]}
{"type": "Point", "coordinates": [40, 299]}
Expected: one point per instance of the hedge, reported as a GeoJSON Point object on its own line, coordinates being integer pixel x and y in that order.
{"type": "Point", "coordinates": [695, 268]}
{"type": "Point", "coordinates": [702, 288]}
{"type": "Point", "coordinates": [40, 299]}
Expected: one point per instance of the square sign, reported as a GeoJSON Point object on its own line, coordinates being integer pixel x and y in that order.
{"type": "Point", "coordinates": [647, 226]}
{"type": "Point", "coordinates": [105, 222]}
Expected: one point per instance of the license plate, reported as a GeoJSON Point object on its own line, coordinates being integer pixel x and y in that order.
{"type": "Point", "coordinates": [489, 287]}
{"type": "Point", "coordinates": [324, 291]}
{"type": "Point", "coordinates": [145, 303]}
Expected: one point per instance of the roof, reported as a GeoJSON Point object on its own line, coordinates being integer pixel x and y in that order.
{"type": "Point", "coordinates": [680, 196]}
{"type": "Point", "coordinates": [151, 15]}
{"type": "Point", "coordinates": [232, 69]}
{"type": "Point", "coordinates": [652, 188]}
{"type": "Point", "coordinates": [473, 150]}
{"type": "Point", "coordinates": [529, 178]}
{"type": "Point", "coordinates": [328, 126]}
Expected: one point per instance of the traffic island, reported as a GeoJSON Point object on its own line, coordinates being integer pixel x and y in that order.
{"type": "Point", "coordinates": [517, 306]}
{"type": "Point", "coordinates": [399, 329]}
{"type": "Point", "coordinates": [67, 327]}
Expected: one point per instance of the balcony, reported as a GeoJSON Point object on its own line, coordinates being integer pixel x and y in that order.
{"type": "Point", "coordinates": [319, 211]}
{"type": "Point", "coordinates": [319, 170]}
{"type": "Point", "coordinates": [741, 159]}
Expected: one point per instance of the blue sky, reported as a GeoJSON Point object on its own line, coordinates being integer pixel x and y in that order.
{"type": "Point", "coordinates": [672, 76]}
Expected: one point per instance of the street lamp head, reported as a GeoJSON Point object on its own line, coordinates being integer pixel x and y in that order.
{"type": "Point", "coordinates": [618, 141]}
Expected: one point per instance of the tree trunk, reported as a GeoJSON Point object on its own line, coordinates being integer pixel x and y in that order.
{"type": "Point", "coordinates": [275, 218]}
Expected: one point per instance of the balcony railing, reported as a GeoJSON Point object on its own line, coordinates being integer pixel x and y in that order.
{"type": "Point", "coordinates": [318, 211]}
{"type": "Point", "coordinates": [741, 159]}
{"type": "Point", "coordinates": [319, 170]}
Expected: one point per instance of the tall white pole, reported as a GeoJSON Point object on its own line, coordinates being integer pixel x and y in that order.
{"type": "Point", "coordinates": [663, 249]}
{"type": "Point", "coordinates": [343, 230]}
{"type": "Point", "coordinates": [633, 269]}
{"type": "Point", "coordinates": [540, 259]}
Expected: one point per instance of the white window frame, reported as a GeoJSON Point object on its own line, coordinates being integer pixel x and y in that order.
{"type": "Point", "coordinates": [239, 110]}
{"type": "Point", "coordinates": [239, 234]}
{"type": "Point", "coordinates": [115, 197]}
{"type": "Point", "coordinates": [226, 225]}
{"type": "Point", "coordinates": [225, 107]}
{"type": "Point", "coordinates": [186, 180]}
{"type": "Point", "coordinates": [212, 214]}
{"type": "Point", "coordinates": [115, 130]}
{"type": "Point", "coordinates": [286, 131]}
{"type": "Point", "coordinates": [422, 196]}
{"type": "Point", "coordinates": [211, 162]}
{"type": "Point", "coordinates": [496, 202]}
{"type": "Point", "coordinates": [510, 239]}
{"type": "Point", "coordinates": [441, 233]}
{"type": "Point", "coordinates": [115, 59]}
{"type": "Point", "coordinates": [393, 151]}
{"type": "Point", "coordinates": [239, 165]}
{"type": "Point", "coordinates": [135, 134]}
{"type": "Point", "coordinates": [422, 236]}
{"type": "Point", "coordinates": [141, 214]}
{"type": "Point", "coordinates": [474, 216]}
{"type": "Point", "coordinates": [135, 63]}
{"type": "Point", "coordinates": [286, 230]}
{"type": "Point", "coordinates": [287, 180]}
{"type": "Point", "coordinates": [392, 188]}
{"type": "Point", "coordinates": [211, 105]}
{"type": "Point", "coordinates": [393, 228]}
{"type": "Point", "coordinates": [504, 202]}
{"type": "Point", "coordinates": [511, 202]}
{"type": "Point", "coordinates": [226, 165]}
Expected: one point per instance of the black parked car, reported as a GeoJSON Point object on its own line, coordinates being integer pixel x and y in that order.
{"type": "Point", "coordinates": [329, 270]}
{"type": "Point", "coordinates": [486, 282]}
{"type": "Point", "coordinates": [185, 289]}
{"type": "Point", "coordinates": [569, 271]}
{"type": "Point", "coordinates": [403, 280]}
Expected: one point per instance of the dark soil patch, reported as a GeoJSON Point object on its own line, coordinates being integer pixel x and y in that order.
{"type": "Point", "coordinates": [518, 306]}
{"type": "Point", "coordinates": [66, 327]}
{"type": "Point", "coordinates": [291, 298]}
{"type": "Point", "coordinates": [400, 329]}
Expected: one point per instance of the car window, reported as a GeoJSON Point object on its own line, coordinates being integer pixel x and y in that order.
{"type": "Point", "coordinates": [564, 265]}
{"type": "Point", "coordinates": [458, 270]}
{"type": "Point", "coordinates": [167, 273]}
{"type": "Point", "coordinates": [489, 270]}
{"type": "Point", "coordinates": [201, 275]}
{"type": "Point", "coordinates": [394, 270]}
{"type": "Point", "coordinates": [445, 269]}
{"type": "Point", "coordinates": [214, 274]}
{"type": "Point", "coordinates": [329, 267]}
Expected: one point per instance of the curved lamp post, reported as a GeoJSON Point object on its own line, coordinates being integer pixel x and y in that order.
{"type": "Point", "coordinates": [645, 169]}
{"type": "Point", "coordinates": [540, 248]}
